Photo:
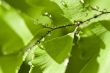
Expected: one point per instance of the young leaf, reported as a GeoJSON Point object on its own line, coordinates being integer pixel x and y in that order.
{"type": "Point", "coordinates": [59, 48]}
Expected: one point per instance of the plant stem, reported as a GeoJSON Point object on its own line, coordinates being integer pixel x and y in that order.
{"type": "Point", "coordinates": [77, 24]}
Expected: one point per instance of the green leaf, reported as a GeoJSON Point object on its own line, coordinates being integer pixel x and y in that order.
{"type": "Point", "coordinates": [102, 60]}
{"type": "Point", "coordinates": [43, 63]}
{"type": "Point", "coordinates": [92, 51]}
{"type": "Point", "coordinates": [10, 63]}
{"type": "Point", "coordinates": [14, 33]}
{"type": "Point", "coordinates": [59, 48]}
{"type": "Point", "coordinates": [21, 20]}
{"type": "Point", "coordinates": [36, 11]}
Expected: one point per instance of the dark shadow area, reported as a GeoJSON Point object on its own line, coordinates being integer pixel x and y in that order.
{"type": "Point", "coordinates": [85, 53]}
{"type": "Point", "coordinates": [25, 68]}
{"type": "Point", "coordinates": [106, 24]}
{"type": "Point", "coordinates": [37, 70]}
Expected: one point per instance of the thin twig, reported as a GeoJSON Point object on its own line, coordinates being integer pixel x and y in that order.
{"type": "Point", "coordinates": [77, 24]}
{"type": "Point", "coordinates": [96, 16]}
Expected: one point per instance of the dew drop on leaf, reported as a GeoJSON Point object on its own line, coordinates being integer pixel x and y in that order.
{"type": "Point", "coordinates": [30, 63]}
{"type": "Point", "coordinates": [47, 14]}
{"type": "Point", "coordinates": [50, 16]}
{"type": "Point", "coordinates": [64, 4]}
{"type": "Point", "coordinates": [43, 39]}
{"type": "Point", "coordinates": [49, 34]}
{"type": "Point", "coordinates": [66, 62]}
{"type": "Point", "coordinates": [41, 46]}
{"type": "Point", "coordinates": [96, 7]}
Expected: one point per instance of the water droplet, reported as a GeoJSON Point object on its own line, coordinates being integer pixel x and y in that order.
{"type": "Point", "coordinates": [30, 62]}
{"type": "Point", "coordinates": [64, 4]}
{"type": "Point", "coordinates": [96, 7]}
{"type": "Point", "coordinates": [41, 46]}
{"type": "Point", "coordinates": [49, 34]}
{"type": "Point", "coordinates": [50, 16]}
{"type": "Point", "coordinates": [47, 14]}
{"type": "Point", "coordinates": [82, 1]}
{"type": "Point", "coordinates": [43, 39]}
{"type": "Point", "coordinates": [71, 34]}
{"type": "Point", "coordinates": [66, 62]}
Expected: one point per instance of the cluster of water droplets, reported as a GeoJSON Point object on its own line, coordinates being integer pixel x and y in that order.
{"type": "Point", "coordinates": [47, 14]}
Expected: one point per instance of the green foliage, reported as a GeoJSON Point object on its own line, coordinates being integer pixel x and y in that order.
{"type": "Point", "coordinates": [41, 36]}
{"type": "Point", "coordinates": [59, 48]}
